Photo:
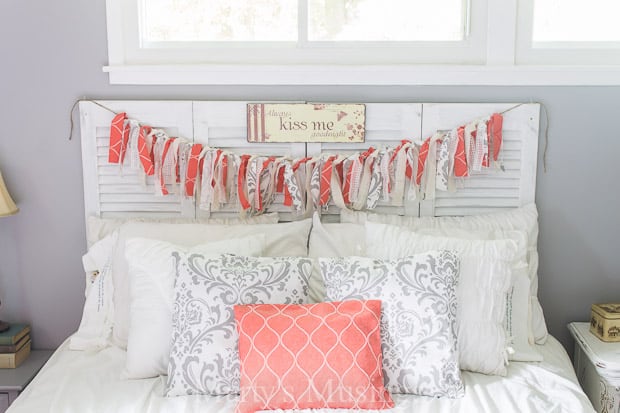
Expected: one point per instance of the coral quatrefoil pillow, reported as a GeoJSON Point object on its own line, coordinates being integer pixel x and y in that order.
{"type": "Point", "coordinates": [325, 355]}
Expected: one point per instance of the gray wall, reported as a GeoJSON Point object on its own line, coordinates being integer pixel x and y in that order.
{"type": "Point", "coordinates": [52, 54]}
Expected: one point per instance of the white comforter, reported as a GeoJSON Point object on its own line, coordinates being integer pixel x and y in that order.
{"type": "Point", "coordinates": [83, 382]}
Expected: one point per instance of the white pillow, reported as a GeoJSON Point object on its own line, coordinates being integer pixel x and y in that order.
{"type": "Point", "coordinates": [286, 239]}
{"type": "Point", "coordinates": [332, 240]}
{"type": "Point", "coordinates": [347, 239]}
{"type": "Point", "coordinates": [418, 316]}
{"type": "Point", "coordinates": [98, 228]}
{"type": "Point", "coordinates": [484, 280]}
{"type": "Point", "coordinates": [151, 277]}
{"type": "Point", "coordinates": [517, 321]}
{"type": "Point", "coordinates": [97, 316]}
{"type": "Point", "coordinates": [523, 219]}
{"type": "Point", "coordinates": [204, 357]}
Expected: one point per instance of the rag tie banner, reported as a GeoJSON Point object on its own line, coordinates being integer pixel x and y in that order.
{"type": "Point", "coordinates": [392, 175]}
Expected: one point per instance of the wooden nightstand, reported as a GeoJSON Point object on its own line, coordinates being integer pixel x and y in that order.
{"type": "Point", "coordinates": [13, 381]}
{"type": "Point", "coordinates": [597, 365]}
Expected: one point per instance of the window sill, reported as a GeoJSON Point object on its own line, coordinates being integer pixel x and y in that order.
{"type": "Point", "coordinates": [364, 75]}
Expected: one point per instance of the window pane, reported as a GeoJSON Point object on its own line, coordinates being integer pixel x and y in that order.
{"type": "Point", "coordinates": [576, 20]}
{"type": "Point", "coordinates": [386, 20]}
{"type": "Point", "coordinates": [218, 20]}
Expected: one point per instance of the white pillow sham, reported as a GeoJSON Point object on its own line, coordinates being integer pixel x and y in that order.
{"type": "Point", "coordinates": [151, 276]}
{"type": "Point", "coordinates": [332, 240]}
{"type": "Point", "coordinates": [348, 239]}
{"type": "Point", "coordinates": [204, 357]}
{"type": "Point", "coordinates": [98, 228]}
{"type": "Point", "coordinates": [523, 219]}
{"type": "Point", "coordinates": [98, 314]}
{"type": "Point", "coordinates": [484, 280]}
{"type": "Point", "coordinates": [517, 321]}
{"type": "Point", "coordinates": [418, 316]}
{"type": "Point", "coordinates": [286, 239]}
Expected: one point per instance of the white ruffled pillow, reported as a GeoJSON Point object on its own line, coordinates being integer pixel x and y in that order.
{"type": "Point", "coordinates": [485, 277]}
{"type": "Point", "coordinates": [347, 239]}
{"type": "Point", "coordinates": [517, 321]}
{"type": "Point", "coordinates": [151, 277]}
{"type": "Point", "coordinates": [522, 219]}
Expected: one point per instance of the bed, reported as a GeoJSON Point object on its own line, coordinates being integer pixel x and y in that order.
{"type": "Point", "coordinates": [497, 355]}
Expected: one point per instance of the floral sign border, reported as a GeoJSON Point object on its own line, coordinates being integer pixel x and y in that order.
{"type": "Point", "coordinates": [306, 122]}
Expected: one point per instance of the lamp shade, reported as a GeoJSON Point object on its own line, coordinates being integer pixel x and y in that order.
{"type": "Point", "coordinates": [7, 206]}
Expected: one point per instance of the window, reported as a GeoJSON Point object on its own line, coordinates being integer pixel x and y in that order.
{"type": "Point", "coordinates": [576, 21]}
{"type": "Point", "coordinates": [312, 20]}
{"type": "Point", "coordinates": [569, 32]}
{"type": "Point", "coordinates": [376, 42]}
{"type": "Point", "coordinates": [296, 32]}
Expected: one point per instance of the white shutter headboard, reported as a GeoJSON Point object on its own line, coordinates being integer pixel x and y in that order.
{"type": "Point", "coordinates": [112, 191]}
{"type": "Point", "coordinates": [493, 189]}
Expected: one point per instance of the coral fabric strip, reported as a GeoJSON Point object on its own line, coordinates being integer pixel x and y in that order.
{"type": "Point", "coordinates": [460, 157]}
{"type": "Point", "coordinates": [422, 160]}
{"type": "Point", "coordinates": [192, 169]}
{"type": "Point", "coordinates": [119, 137]}
{"type": "Point", "coordinates": [311, 356]}
{"type": "Point", "coordinates": [241, 191]}
{"type": "Point", "coordinates": [495, 129]}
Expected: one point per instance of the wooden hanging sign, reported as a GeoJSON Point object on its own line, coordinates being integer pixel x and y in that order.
{"type": "Point", "coordinates": [306, 122]}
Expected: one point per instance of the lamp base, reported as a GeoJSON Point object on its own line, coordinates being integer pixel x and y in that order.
{"type": "Point", "coordinates": [4, 326]}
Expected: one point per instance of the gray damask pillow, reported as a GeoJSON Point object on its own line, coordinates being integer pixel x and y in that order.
{"type": "Point", "coordinates": [418, 320]}
{"type": "Point", "coordinates": [204, 357]}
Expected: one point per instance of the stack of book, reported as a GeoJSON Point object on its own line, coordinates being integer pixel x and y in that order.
{"type": "Point", "coordinates": [14, 346]}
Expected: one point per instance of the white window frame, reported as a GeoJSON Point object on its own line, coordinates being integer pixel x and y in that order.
{"type": "Point", "coordinates": [479, 60]}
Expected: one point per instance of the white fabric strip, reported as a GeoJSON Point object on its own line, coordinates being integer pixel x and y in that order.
{"type": "Point", "coordinates": [398, 192]}
{"type": "Point", "coordinates": [293, 188]}
{"type": "Point", "coordinates": [251, 180]}
{"type": "Point", "coordinates": [206, 189]}
{"type": "Point", "coordinates": [385, 175]}
{"type": "Point", "coordinates": [184, 153]}
{"type": "Point", "coordinates": [469, 144]}
{"type": "Point", "coordinates": [219, 186]}
{"type": "Point", "coordinates": [443, 163]}
{"type": "Point", "coordinates": [412, 161]}
{"type": "Point", "coordinates": [356, 176]}
{"type": "Point", "coordinates": [134, 155]}
{"type": "Point", "coordinates": [315, 183]}
{"type": "Point", "coordinates": [170, 166]}
{"type": "Point", "coordinates": [453, 140]}
{"type": "Point", "coordinates": [158, 152]}
{"type": "Point", "coordinates": [363, 185]}
{"type": "Point", "coordinates": [231, 180]}
{"type": "Point", "coordinates": [481, 148]}
{"type": "Point", "coordinates": [375, 188]}
{"type": "Point", "coordinates": [430, 168]}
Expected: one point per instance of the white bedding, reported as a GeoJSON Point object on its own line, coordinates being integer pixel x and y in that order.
{"type": "Point", "coordinates": [83, 382]}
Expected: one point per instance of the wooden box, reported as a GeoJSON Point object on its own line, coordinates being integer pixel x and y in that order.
{"type": "Point", "coordinates": [605, 322]}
